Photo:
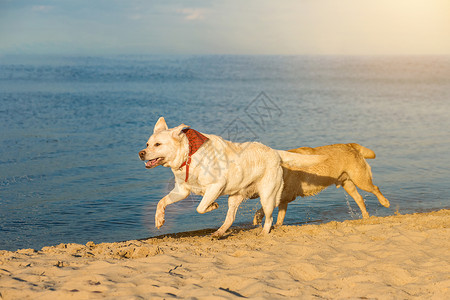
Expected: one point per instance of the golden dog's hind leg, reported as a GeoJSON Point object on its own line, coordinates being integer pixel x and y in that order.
{"type": "Point", "coordinates": [367, 185]}
{"type": "Point", "coordinates": [350, 188]}
{"type": "Point", "coordinates": [381, 198]}
{"type": "Point", "coordinates": [376, 191]}
{"type": "Point", "coordinates": [281, 213]}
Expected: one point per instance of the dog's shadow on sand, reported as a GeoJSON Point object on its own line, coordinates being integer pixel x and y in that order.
{"type": "Point", "coordinates": [204, 233]}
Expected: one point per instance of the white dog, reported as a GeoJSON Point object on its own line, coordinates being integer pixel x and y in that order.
{"type": "Point", "coordinates": [210, 166]}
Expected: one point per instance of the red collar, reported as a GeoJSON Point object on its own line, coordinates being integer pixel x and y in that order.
{"type": "Point", "coordinates": [196, 140]}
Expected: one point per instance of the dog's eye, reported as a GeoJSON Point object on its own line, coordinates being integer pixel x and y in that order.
{"type": "Point", "coordinates": [157, 144]}
{"type": "Point", "coordinates": [147, 145]}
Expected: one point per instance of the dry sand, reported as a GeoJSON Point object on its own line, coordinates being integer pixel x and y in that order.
{"type": "Point", "coordinates": [396, 257]}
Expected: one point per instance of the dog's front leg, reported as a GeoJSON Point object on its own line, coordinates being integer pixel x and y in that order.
{"type": "Point", "coordinates": [177, 194]}
{"type": "Point", "coordinates": [211, 194]}
{"type": "Point", "coordinates": [233, 205]}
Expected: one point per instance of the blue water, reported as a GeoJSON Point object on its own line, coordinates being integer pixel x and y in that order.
{"type": "Point", "coordinates": [71, 128]}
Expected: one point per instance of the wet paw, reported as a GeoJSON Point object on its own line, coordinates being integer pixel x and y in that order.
{"type": "Point", "coordinates": [159, 220]}
{"type": "Point", "coordinates": [385, 202]}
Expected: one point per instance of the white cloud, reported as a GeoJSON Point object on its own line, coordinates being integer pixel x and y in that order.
{"type": "Point", "coordinates": [192, 14]}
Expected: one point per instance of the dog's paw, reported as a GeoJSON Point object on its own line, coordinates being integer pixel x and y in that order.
{"type": "Point", "coordinates": [257, 219]}
{"type": "Point", "coordinates": [217, 234]}
{"type": "Point", "coordinates": [384, 202]}
{"type": "Point", "coordinates": [212, 207]}
{"type": "Point", "coordinates": [159, 220]}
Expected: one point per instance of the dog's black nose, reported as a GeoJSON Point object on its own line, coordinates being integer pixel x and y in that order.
{"type": "Point", "coordinates": [142, 154]}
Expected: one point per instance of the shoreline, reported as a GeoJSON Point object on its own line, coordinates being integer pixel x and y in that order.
{"type": "Point", "coordinates": [399, 256]}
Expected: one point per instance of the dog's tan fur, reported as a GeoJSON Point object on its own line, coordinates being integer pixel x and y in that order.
{"type": "Point", "coordinates": [345, 166]}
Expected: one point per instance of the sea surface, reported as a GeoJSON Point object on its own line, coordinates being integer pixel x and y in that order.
{"type": "Point", "coordinates": [72, 127]}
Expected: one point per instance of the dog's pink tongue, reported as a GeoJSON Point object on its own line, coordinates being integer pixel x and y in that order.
{"type": "Point", "coordinates": [152, 163]}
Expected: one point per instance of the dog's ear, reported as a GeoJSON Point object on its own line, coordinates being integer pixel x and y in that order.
{"type": "Point", "coordinates": [176, 132]}
{"type": "Point", "coordinates": [160, 125]}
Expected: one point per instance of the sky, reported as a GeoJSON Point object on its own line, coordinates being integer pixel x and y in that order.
{"type": "Point", "coordinates": [253, 27]}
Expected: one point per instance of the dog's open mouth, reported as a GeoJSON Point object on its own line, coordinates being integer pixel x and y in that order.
{"type": "Point", "coordinates": [153, 162]}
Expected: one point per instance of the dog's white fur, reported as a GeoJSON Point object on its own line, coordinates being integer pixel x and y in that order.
{"type": "Point", "coordinates": [220, 167]}
{"type": "Point", "coordinates": [345, 166]}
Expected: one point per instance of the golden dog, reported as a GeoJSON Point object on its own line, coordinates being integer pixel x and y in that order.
{"type": "Point", "coordinates": [345, 166]}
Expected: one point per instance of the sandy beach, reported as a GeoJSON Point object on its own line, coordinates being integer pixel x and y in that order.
{"type": "Point", "coordinates": [395, 257]}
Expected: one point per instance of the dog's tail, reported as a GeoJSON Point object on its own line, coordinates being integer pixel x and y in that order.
{"type": "Point", "coordinates": [365, 152]}
{"type": "Point", "coordinates": [297, 161]}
